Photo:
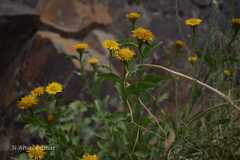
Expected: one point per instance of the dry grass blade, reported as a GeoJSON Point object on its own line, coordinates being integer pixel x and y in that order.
{"type": "Point", "coordinates": [225, 97]}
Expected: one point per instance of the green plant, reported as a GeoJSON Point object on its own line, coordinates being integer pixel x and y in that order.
{"type": "Point", "coordinates": [205, 127]}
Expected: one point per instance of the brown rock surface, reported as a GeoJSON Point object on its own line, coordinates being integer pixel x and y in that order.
{"type": "Point", "coordinates": [73, 17]}
{"type": "Point", "coordinates": [46, 61]}
{"type": "Point", "coordinates": [18, 24]}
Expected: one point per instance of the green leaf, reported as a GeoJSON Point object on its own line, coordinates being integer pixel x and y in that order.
{"type": "Point", "coordinates": [149, 82]}
{"type": "Point", "coordinates": [149, 48]}
{"type": "Point", "coordinates": [139, 87]}
{"type": "Point", "coordinates": [22, 156]}
{"type": "Point", "coordinates": [128, 43]}
{"type": "Point", "coordinates": [106, 76]}
{"type": "Point", "coordinates": [40, 110]}
{"type": "Point", "coordinates": [210, 61]}
{"type": "Point", "coordinates": [195, 93]}
{"type": "Point", "coordinates": [109, 76]}
{"type": "Point", "coordinates": [233, 59]}
{"type": "Point", "coordinates": [77, 106]}
{"type": "Point", "coordinates": [70, 56]}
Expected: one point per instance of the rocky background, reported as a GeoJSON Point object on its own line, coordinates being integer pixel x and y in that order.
{"type": "Point", "coordinates": [34, 34]}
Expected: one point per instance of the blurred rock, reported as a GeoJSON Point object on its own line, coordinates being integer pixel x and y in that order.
{"type": "Point", "coordinates": [96, 39]}
{"type": "Point", "coordinates": [74, 17]}
{"type": "Point", "coordinates": [47, 62]}
{"type": "Point", "coordinates": [18, 24]}
{"type": "Point", "coordinates": [202, 3]}
{"type": "Point", "coordinates": [29, 3]}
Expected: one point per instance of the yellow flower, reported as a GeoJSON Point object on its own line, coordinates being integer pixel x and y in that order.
{"type": "Point", "coordinates": [54, 88]}
{"type": "Point", "coordinates": [112, 45]}
{"type": "Point", "coordinates": [38, 91]}
{"type": "Point", "coordinates": [27, 102]}
{"type": "Point", "coordinates": [125, 54]}
{"type": "Point", "coordinates": [236, 23]}
{"type": "Point", "coordinates": [36, 152]}
{"type": "Point", "coordinates": [133, 16]}
{"type": "Point", "coordinates": [228, 72]}
{"type": "Point", "coordinates": [81, 47]}
{"type": "Point", "coordinates": [142, 34]}
{"type": "Point", "coordinates": [193, 59]}
{"type": "Point", "coordinates": [193, 22]}
{"type": "Point", "coordinates": [89, 157]}
{"type": "Point", "coordinates": [93, 61]}
{"type": "Point", "coordinates": [179, 44]}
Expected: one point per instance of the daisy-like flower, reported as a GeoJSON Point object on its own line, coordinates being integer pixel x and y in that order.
{"type": "Point", "coordinates": [27, 102]}
{"type": "Point", "coordinates": [111, 45]}
{"type": "Point", "coordinates": [81, 47]}
{"type": "Point", "coordinates": [236, 23]}
{"type": "Point", "coordinates": [228, 72]}
{"type": "Point", "coordinates": [193, 59]}
{"type": "Point", "coordinates": [93, 61]}
{"type": "Point", "coordinates": [179, 44]}
{"type": "Point", "coordinates": [54, 88]}
{"type": "Point", "coordinates": [38, 91]}
{"type": "Point", "coordinates": [143, 34]}
{"type": "Point", "coordinates": [125, 54]}
{"type": "Point", "coordinates": [133, 16]}
{"type": "Point", "coordinates": [36, 152]}
{"type": "Point", "coordinates": [89, 157]}
{"type": "Point", "coordinates": [193, 22]}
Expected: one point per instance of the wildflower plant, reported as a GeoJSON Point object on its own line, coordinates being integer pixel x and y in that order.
{"type": "Point", "coordinates": [133, 17]}
{"type": "Point", "coordinates": [206, 126]}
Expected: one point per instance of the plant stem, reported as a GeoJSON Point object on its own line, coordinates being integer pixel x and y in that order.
{"type": "Point", "coordinates": [176, 101]}
{"type": "Point", "coordinates": [110, 62]}
{"type": "Point", "coordinates": [81, 63]}
{"type": "Point", "coordinates": [124, 85]}
{"type": "Point", "coordinates": [233, 38]}
{"type": "Point", "coordinates": [140, 53]}
{"type": "Point", "coordinates": [152, 115]}
{"type": "Point", "coordinates": [193, 37]}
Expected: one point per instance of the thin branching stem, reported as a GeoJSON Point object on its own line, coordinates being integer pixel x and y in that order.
{"type": "Point", "coordinates": [138, 125]}
{"type": "Point", "coordinates": [152, 115]}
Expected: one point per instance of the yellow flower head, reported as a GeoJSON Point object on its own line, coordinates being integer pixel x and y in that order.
{"type": "Point", "coordinates": [111, 45]}
{"type": "Point", "coordinates": [193, 22]}
{"type": "Point", "coordinates": [228, 72]}
{"type": "Point", "coordinates": [179, 44]}
{"type": "Point", "coordinates": [133, 16]}
{"type": "Point", "coordinates": [81, 47]}
{"type": "Point", "coordinates": [54, 88]}
{"type": "Point", "coordinates": [193, 59]}
{"type": "Point", "coordinates": [36, 152]}
{"type": "Point", "coordinates": [142, 34]}
{"type": "Point", "coordinates": [27, 102]}
{"type": "Point", "coordinates": [89, 157]}
{"type": "Point", "coordinates": [38, 91]}
{"type": "Point", "coordinates": [236, 23]}
{"type": "Point", "coordinates": [93, 61]}
{"type": "Point", "coordinates": [125, 54]}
